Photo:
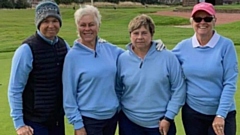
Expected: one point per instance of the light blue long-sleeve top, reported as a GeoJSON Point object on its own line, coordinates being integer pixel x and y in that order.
{"type": "Point", "coordinates": [211, 74]}
{"type": "Point", "coordinates": [150, 88]}
{"type": "Point", "coordinates": [21, 67]}
{"type": "Point", "coordinates": [89, 82]}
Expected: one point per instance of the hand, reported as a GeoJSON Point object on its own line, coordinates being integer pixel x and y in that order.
{"type": "Point", "coordinates": [160, 45]}
{"type": "Point", "coordinates": [25, 130]}
{"type": "Point", "coordinates": [218, 125]}
{"type": "Point", "coordinates": [164, 127]}
{"type": "Point", "coordinates": [80, 131]}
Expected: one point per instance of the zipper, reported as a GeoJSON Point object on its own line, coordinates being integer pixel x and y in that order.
{"type": "Point", "coordinates": [141, 64]}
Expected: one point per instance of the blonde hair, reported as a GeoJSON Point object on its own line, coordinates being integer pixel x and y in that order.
{"type": "Point", "coordinates": [142, 20]}
{"type": "Point", "coordinates": [87, 10]}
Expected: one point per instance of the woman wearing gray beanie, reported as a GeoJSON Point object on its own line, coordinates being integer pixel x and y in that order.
{"type": "Point", "coordinates": [35, 86]}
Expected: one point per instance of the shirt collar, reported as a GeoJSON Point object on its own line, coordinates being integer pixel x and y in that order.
{"type": "Point", "coordinates": [51, 42]}
{"type": "Point", "coordinates": [213, 41]}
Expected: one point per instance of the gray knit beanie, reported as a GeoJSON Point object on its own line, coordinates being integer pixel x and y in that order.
{"type": "Point", "coordinates": [46, 9]}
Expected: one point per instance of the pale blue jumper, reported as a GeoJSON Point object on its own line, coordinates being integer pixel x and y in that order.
{"type": "Point", "coordinates": [150, 88]}
{"type": "Point", "coordinates": [89, 82]}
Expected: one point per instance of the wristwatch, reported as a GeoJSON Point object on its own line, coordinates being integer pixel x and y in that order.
{"type": "Point", "coordinates": [219, 116]}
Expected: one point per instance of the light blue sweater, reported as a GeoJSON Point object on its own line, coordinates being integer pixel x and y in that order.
{"type": "Point", "coordinates": [211, 74]}
{"type": "Point", "coordinates": [150, 88]}
{"type": "Point", "coordinates": [21, 67]}
{"type": "Point", "coordinates": [89, 82]}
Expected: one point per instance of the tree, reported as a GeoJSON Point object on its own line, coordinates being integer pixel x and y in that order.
{"type": "Point", "coordinates": [6, 4]}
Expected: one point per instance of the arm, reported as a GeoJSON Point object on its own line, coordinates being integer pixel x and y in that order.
{"type": "Point", "coordinates": [230, 66]}
{"type": "Point", "coordinates": [21, 67]}
{"type": "Point", "coordinates": [70, 80]}
{"type": "Point", "coordinates": [178, 89]}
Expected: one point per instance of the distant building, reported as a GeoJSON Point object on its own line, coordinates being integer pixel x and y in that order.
{"type": "Point", "coordinates": [193, 2]}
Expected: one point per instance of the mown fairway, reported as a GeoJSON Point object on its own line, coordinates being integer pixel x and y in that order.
{"type": "Point", "coordinates": [16, 25]}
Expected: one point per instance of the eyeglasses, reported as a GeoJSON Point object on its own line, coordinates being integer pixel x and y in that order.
{"type": "Point", "coordinates": [206, 19]}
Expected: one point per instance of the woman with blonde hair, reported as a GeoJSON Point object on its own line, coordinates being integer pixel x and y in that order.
{"type": "Point", "coordinates": [90, 100]}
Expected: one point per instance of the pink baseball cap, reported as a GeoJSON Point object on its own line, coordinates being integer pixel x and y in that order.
{"type": "Point", "coordinates": [204, 6]}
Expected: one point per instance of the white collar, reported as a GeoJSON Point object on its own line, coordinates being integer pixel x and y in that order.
{"type": "Point", "coordinates": [212, 42]}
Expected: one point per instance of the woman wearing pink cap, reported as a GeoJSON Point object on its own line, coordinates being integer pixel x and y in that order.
{"type": "Point", "coordinates": [210, 65]}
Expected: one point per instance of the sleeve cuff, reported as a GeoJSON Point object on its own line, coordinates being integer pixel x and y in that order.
{"type": "Point", "coordinates": [221, 114]}
{"type": "Point", "coordinates": [18, 123]}
{"type": "Point", "coordinates": [170, 115]}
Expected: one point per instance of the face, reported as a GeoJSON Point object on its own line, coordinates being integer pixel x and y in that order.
{"type": "Point", "coordinates": [49, 27]}
{"type": "Point", "coordinates": [141, 38]}
{"type": "Point", "coordinates": [204, 27]}
{"type": "Point", "coordinates": [88, 29]}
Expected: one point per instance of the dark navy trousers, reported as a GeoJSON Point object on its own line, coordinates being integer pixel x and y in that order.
{"type": "Point", "coordinates": [127, 127]}
{"type": "Point", "coordinates": [196, 123]}
{"type": "Point", "coordinates": [41, 129]}
{"type": "Point", "coordinates": [100, 127]}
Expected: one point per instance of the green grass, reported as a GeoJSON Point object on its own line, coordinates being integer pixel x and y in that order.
{"type": "Point", "coordinates": [16, 25]}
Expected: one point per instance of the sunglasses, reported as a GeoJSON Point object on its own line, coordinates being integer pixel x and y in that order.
{"type": "Point", "coordinates": [206, 19]}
